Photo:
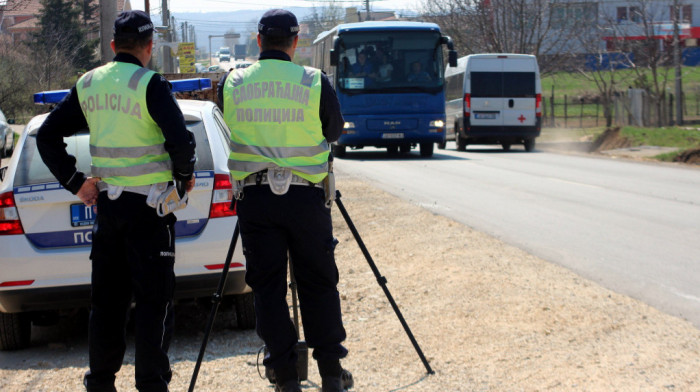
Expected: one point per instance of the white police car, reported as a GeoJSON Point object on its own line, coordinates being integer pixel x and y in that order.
{"type": "Point", "coordinates": [45, 231]}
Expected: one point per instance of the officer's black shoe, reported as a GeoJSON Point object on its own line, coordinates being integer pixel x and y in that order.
{"type": "Point", "coordinates": [289, 386]}
{"type": "Point", "coordinates": [337, 384]}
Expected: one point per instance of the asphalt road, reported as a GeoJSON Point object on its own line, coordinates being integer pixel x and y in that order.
{"type": "Point", "coordinates": [633, 227]}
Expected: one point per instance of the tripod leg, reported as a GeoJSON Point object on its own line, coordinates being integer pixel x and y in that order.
{"type": "Point", "coordinates": [216, 301]}
{"type": "Point", "coordinates": [382, 281]}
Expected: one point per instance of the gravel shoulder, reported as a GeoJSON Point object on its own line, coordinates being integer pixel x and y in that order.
{"type": "Point", "coordinates": [488, 316]}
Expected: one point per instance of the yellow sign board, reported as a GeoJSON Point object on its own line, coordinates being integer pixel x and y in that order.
{"type": "Point", "coordinates": [186, 54]}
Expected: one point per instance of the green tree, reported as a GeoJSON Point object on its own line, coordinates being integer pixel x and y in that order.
{"type": "Point", "coordinates": [62, 42]}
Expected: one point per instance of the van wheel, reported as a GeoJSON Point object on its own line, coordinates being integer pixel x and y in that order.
{"type": "Point", "coordinates": [405, 148]}
{"type": "Point", "coordinates": [426, 149]}
{"type": "Point", "coordinates": [338, 150]}
{"type": "Point", "coordinates": [506, 146]}
{"type": "Point", "coordinates": [529, 145]}
{"type": "Point", "coordinates": [15, 331]}
{"type": "Point", "coordinates": [461, 143]}
{"type": "Point", "coordinates": [245, 310]}
{"type": "Point", "coordinates": [442, 145]}
{"type": "Point", "coordinates": [392, 150]}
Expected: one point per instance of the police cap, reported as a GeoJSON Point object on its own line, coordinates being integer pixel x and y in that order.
{"type": "Point", "coordinates": [278, 23]}
{"type": "Point", "coordinates": [133, 24]}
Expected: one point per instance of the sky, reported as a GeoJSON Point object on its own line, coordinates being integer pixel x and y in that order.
{"type": "Point", "coordinates": [235, 5]}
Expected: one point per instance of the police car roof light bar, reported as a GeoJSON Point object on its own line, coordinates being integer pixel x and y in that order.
{"type": "Point", "coordinates": [50, 97]}
{"type": "Point", "coordinates": [183, 85]}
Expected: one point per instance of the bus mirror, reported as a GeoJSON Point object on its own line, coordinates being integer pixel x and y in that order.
{"type": "Point", "coordinates": [452, 58]}
{"type": "Point", "coordinates": [334, 57]}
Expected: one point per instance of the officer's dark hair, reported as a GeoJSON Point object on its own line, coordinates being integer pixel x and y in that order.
{"type": "Point", "coordinates": [131, 43]}
{"type": "Point", "coordinates": [268, 42]}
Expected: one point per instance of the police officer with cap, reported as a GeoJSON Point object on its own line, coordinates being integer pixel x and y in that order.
{"type": "Point", "coordinates": [282, 118]}
{"type": "Point", "coordinates": [139, 145]}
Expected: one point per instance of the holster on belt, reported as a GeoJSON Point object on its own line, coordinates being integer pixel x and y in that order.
{"type": "Point", "coordinates": [170, 201]}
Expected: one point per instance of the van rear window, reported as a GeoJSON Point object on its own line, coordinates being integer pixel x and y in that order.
{"type": "Point", "coordinates": [503, 84]}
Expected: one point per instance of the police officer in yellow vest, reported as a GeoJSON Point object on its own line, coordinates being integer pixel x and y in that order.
{"type": "Point", "coordinates": [139, 144]}
{"type": "Point", "coordinates": [282, 118]}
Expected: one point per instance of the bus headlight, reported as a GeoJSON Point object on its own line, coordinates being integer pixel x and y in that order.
{"type": "Point", "coordinates": [435, 124]}
{"type": "Point", "coordinates": [349, 125]}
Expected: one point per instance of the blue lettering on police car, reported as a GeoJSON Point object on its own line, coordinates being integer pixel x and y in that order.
{"type": "Point", "coordinates": [29, 199]}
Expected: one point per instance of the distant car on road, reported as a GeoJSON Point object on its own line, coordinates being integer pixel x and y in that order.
{"type": "Point", "coordinates": [46, 232]}
{"type": "Point", "coordinates": [216, 69]}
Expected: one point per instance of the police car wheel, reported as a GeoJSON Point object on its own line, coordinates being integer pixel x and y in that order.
{"type": "Point", "coordinates": [245, 311]}
{"type": "Point", "coordinates": [15, 331]}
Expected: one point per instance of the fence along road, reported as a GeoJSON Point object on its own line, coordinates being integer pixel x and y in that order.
{"type": "Point", "coordinates": [632, 227]}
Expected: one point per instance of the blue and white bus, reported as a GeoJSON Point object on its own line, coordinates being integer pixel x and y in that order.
{"type": "Point", "coordinates": [389, 77]}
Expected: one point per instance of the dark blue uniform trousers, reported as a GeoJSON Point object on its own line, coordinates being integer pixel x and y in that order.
{"type": "Point", "coordinates": [297, 222]}
{"type": "Point", "coordinates": [133, 254]}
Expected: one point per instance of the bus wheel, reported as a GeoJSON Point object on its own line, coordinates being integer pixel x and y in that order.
{"type": "Point", "coordinates": [405, 148]}
{"type": "Point", "coordinates": [338, 150]}
{"type": "Point", "coordinates": [506, 146]}
{"type": "Point", "coordinates": [529, 145]}
{"type": "Point", "coordinates": [426, 149]}
{"type": "Point", "coordinates": [392, 150]}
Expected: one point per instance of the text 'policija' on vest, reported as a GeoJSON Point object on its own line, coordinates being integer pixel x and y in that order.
{"type": "Point", "coordinates": [111, 102]}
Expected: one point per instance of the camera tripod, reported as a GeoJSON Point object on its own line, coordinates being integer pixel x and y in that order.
{"type": "Point", "coordinates": [217, 296]}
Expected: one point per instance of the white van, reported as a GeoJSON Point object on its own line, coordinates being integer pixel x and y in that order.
{"type": "Point", "coordinates": [493, 99]}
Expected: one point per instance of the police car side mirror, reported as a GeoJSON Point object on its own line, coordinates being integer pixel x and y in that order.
{"type": "Point", "coordinates": [3, 170]}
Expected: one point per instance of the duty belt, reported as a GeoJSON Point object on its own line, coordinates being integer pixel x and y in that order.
{"type": "Point", "coordinates": [261, 178]}
{"type": "Point", "coordinates": [141, 190]}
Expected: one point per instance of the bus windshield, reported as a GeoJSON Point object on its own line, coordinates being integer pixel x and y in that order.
{"type": "Point", "coordinates": [390, 61]}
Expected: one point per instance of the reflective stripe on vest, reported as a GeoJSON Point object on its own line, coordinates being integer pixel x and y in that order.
{"type": "Point", "coordinates": [126, 145]}
{"type": "Point", "coordinates": [272, 109]}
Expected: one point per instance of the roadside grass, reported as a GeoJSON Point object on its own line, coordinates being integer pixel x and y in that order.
{"type": "Point", "coordinates": [682, 138]}
{"type": "Point", "coordinates": [573, 86]}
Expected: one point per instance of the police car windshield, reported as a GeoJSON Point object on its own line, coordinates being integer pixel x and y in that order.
{"type": "Point", "coordinates": [31, 169]}
{"type": "Point", "coordinates": [390, 61]}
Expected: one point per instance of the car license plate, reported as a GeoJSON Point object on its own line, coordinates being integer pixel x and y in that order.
{"type": "Point", "coordinates": [392, 135]}
{"type": "Point", "coordinates": [82, 215]}
{"type": "Point", "coordinates": [485, 116]}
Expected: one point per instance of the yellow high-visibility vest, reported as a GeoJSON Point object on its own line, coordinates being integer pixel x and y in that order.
{"type": "Point", "coordinates": [126, 145]}
{"type": "Point", "coordinates": [272, 109]}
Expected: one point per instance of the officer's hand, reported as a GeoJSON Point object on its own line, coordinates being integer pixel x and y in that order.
{"type": "Point", "coordinates": [190, 184]}
{"type": "Point", "coordinates": [88, 191]}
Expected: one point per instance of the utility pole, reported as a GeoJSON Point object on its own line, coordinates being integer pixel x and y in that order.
{"type": "Point", "coordinates": [108, 13]}
{"type": "Point", "coordinates": [677, 61]}
{"type": "Point", "coordinates": [147, 6]}
{"type": "Point", "coordinates": [167, 58]}
{"type": "Point", "coordinates": [369, 16]}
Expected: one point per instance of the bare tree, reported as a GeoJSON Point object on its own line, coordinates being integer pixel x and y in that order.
{"type": "Point", "coordinates": [325, 18]}
{"type": "Point", "coordinates": [601, 66]}
{"type": "Point", "coordinates": [505, 26]}
{"type": "Point", "coordinates": [16, 86]}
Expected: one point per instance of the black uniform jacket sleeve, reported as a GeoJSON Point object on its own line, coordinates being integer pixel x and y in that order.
{"type": "Point", "coordinates": [67, 119]}
{"type": "Point", "coordinates": [331, 119]}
